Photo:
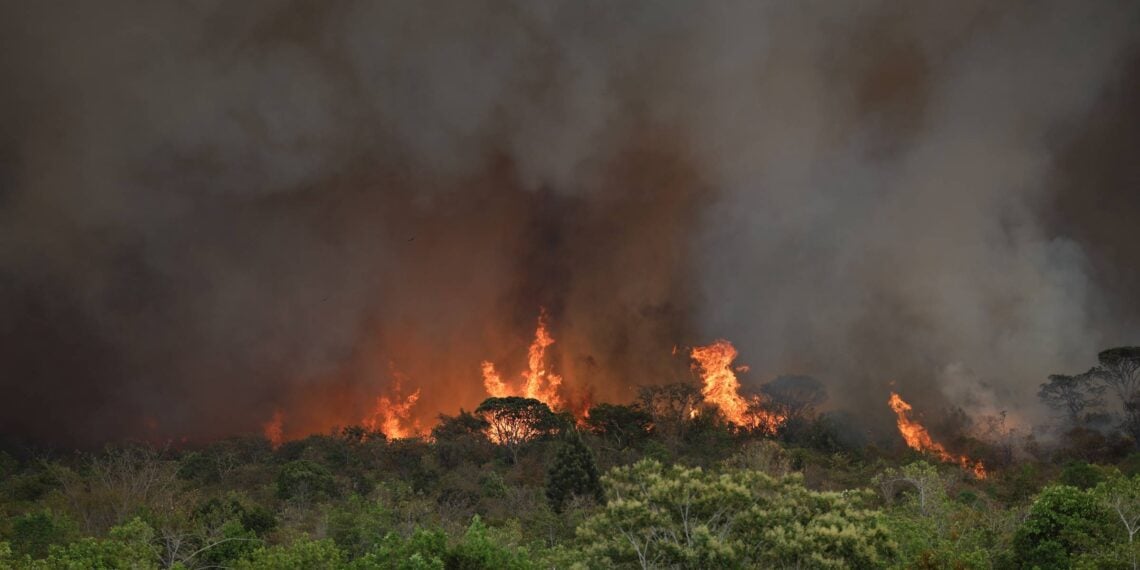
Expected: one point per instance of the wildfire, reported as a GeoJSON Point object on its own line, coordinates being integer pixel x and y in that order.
{"type": "Point", "coordinates": [492, 382]}
{"type": "Point", "coordinates": [538, 382]}
{"type": "Point", "coordinates": [722, 389]}
{"type": "Point", "coordinates": [919, 439]}
{"type": "Point", "coordinates": [391, 414]}
{"type": "Point", "coordinates": [273, 429]}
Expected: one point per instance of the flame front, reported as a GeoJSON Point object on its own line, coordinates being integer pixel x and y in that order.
{"type": "Point", "coordinates": [273, 429]}
{"type": "Point", "coordinates": [919, 439]}
{"type": "Point", "coordinates": [539, 382]}
{"type": "Point", "coordinates": [391, 414]}
{"type": "Point", "coordinates": [722, 389]}
{"type": "Point", "coordinates": [492, 382]}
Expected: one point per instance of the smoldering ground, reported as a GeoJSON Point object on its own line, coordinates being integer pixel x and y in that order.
{"type": "Point", "coordinates": [210, 210]}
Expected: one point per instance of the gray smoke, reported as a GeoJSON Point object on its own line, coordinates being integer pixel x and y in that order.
{"type": "Point", "coordinates": [212, 210]}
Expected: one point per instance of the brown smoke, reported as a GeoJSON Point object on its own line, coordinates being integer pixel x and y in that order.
{"type": "Point", "coordinates": [211, 211]}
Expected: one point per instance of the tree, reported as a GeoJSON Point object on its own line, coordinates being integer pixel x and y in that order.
{"type": "Point", "coordinates": [34, 533]}
{"type": "Point", "coordinates": [461, 438]}
{"type": "Point", "coordinates": [1121, 495]}
{"type": "Point", "coordinates": [1071, 396]}
{"type": "Point", "coordinates": [619, 425]}
{"type": "Point", "coordinates": [129, 545]}
{"type": "Point", "coordinates": [671, 406]}
{"type": "Point", "coordinates": [924, 478]}
{"type": "Point", "coordinates": [1063, 524]}
{"type": "Point", "coordinates": [304, 480]}
{"type": "Point", "coordinates": [119, 483]}
{"type": "Point", "coordinates": [794, 397]}
{"type": "Point", "coordinates": [301, 553]}
{"type": "Point", "coordinates": [573, 473]}
{"type": "Point", "coordinates": [1119, 369]}
{"type": "Point", "coordinates": [515, 421]}
{"type": "Point", "coordinates": [682, 517]}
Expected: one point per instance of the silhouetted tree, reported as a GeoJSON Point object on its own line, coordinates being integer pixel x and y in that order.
{"type": "Point", "coordinates": [1071, 396]}
{"type": "Point", "coordinates": [795, 397]}
{"type": "Point", "coordinates": [461, 437]}
{"type": "Point", "coordinates": [670, 406]}
{"type": "Point", "coordinates": [1119, 369]}
{"type": "Point", "coordinates": [619, 425]}
{"type": "Point", "coordinates": [514, 421]}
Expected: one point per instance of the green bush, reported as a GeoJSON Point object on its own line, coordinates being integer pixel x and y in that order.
{"type": "Point", "coordinates": [304, 480]}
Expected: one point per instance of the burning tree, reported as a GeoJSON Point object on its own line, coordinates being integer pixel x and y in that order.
{"type": "Point", "coordinates": [670, 407]}
{"type": "Point", "coordinates": [722, 389]}
{"type": "Point", "coordinates": [514, 421]}
{"type": "Point", "coordinates": [918, 439]}
{"type": "Point", "coordinates": [539, 380]}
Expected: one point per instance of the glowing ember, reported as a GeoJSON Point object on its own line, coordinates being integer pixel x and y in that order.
{"type": "Point", "coordinates": [919, 439]}
{"type": "Point", "coordinates": [538, 382]}
{"type": "Point", "coordinates": [273, 429]}
{"type": "Point", "coordinates": [722, 389]}
{"type": "Point", "coordinates": [391, 414]}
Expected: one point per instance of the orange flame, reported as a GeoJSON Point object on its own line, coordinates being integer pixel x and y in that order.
{"type": "Point", "coordinates": [273, 429]}
{"type": "Point", "coordinates": [492, 382]}
{"type": "Point", "coordinates": [391, 414]}
{"type": "Point", "coordinates": [722, 389]}
{"type": "Point", "coordinates": [919, 439]}
{"type": "Point", "coordinates": [538, 382]}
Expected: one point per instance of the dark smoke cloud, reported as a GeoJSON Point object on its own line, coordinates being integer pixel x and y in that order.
{"type": "Point", "coordinates": [212, 210]}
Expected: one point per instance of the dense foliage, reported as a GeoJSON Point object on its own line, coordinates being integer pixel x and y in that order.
{"type": "Point", "coordinates": [646, 485]}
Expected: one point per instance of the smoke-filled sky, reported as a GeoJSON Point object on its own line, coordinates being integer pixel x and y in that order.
{"type": "Point", "coordinates": [213, 210]}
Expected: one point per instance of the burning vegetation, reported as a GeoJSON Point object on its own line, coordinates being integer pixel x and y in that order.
{"type": "Point", "coordinates": [538, 380]}
{"type": "Point", "coordinates": [918, 439]}
{"type": "Point", "coordinates": [721, 388]}
{"type": "Point", "coordinates": [392, 415]}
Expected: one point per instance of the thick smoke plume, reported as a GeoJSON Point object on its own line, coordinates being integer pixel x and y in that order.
{"type": "Point", "coordinates": [210, 211]}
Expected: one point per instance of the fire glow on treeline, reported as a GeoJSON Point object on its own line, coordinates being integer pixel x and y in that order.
{"type": "Point", "coordinates": [713, 363]}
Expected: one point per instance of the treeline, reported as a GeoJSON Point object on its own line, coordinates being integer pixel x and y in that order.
{"type": "Point", "coordinates": [652, 484]}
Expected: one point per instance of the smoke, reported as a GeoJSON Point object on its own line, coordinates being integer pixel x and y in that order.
{"type": "Point", "coordinates": [210, 211]}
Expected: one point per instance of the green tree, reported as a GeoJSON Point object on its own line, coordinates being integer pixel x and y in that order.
{"type": "Point", "coordinates": [128, 546]}
{"type": "Point", "coordinates": [681, 517]}
{"type": "Point", "coordinates": [1121, 496]}
{"type": "Point", "coordinates": [482, 549]}
{"type": "Point", "coordinates": [423, 550]}
{"type": "Point", "coordinates": [304, 480]}
{"type": "Point", "coordinates": [302, 553]}
{"type": "Point", "coordinates": [33, 534]}
{"type": "Point", "coordinates": [573, 473]}
{"type": "Point", "coordinates": [923, 478]}
{"type": "Point", "coordinates": [1063, 524]}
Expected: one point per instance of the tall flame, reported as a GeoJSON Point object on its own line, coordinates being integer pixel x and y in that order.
{"type": "Point", "coordinates": [919, 439]}
{"type": "Point", "coordinates": [273, 429]}
{"type": "Point", "coordinates": [722, 389]}
{"type": "Point", "coordinates": [492, 382]}
{"type": "Point", "coordinates": [539, 382]}
{"type": "Point", "coordinates": [391, 414]}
